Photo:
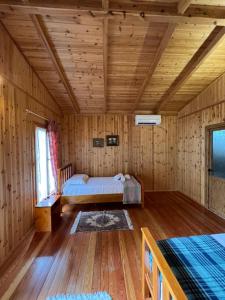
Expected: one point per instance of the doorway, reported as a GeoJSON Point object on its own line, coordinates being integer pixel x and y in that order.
{"type": "Point", "coordinates": [216, 170]}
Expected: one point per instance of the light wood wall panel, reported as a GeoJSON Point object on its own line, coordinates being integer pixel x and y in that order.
{"type": "Point", "coordinates": [165, 154]}
{"type": "Point", "coordinates": [206, 109]}
{"type": "Point", "coordinates": [149, 152]}
{"type": "Point", "coordinates": [189, 156]}
{"type": "Point", "coordinates": [20, 89]}
{"type": "Point", "coordinates": [216, 199]}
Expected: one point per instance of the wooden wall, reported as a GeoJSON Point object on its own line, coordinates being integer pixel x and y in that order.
{"type": "Point", "coordinates": [216, 195]}
{"type": "Point", "coordinates": [206, 109]}
{"type": "Point", "coordinates": [146, 151]}
{"type": "Point", "coordinates": [20, 89]}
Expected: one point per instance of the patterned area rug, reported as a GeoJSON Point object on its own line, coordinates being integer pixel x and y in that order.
{"type": "Point", "coordinates": [102, 221]}
{"type": "Point", "coordinates": [96, 296]}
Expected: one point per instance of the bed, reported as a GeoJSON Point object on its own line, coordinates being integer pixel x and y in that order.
{"type": "Point", "coordinates": [97, 189]}
{"type": "Point", "coordinates": [184, 267]}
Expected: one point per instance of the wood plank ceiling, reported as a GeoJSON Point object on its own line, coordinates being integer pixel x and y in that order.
{"type": "Point", "coordinates": [126, 56]}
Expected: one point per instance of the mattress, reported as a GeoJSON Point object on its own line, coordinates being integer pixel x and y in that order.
{"type": "Point", "coordinates": [198, 262]}
{"type": "Point", "coordinates": [94, 186]}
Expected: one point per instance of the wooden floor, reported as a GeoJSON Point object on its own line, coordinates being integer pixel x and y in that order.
{"type": "Point", "coordinates": [49, 264]}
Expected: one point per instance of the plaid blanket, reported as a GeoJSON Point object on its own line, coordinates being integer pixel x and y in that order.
{"type": "Point", "coordinates": [198, 262]}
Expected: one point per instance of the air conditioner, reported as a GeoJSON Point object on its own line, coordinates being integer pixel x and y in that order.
{"type": "Point", "coordinates": [147, 120]}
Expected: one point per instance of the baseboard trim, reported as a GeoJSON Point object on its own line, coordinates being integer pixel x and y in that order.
{"type": "Point", "coordinates": [156, 191]}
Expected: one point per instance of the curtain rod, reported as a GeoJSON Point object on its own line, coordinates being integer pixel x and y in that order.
{"type": "Point", "coordinates": [37, 115]}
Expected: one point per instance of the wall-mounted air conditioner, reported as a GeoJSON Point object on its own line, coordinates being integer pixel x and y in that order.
{"type": "Point", "coordinates": [147, 120]}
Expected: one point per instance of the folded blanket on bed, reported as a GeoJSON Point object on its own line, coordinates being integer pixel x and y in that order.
{"type": "Point", "coordinates": [122, 177]}
{"type": "Point", "coordinates": [132, 191]}
{"type": "Point", "coordinates": [118, 176]}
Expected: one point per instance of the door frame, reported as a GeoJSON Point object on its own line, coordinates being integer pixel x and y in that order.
{"type": "Point", "coordinates": [208, 156]}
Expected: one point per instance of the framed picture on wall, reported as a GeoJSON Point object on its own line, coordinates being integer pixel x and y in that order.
{"type": "Point", "coordinates": [98, 142]}
{"type": "Point", "coordinates": [112, 140]}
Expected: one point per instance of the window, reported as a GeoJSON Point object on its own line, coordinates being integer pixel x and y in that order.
{"type": "Point", "coordinates": [44, 177]}
{"type": "Point", "coordinates": [218, 153]}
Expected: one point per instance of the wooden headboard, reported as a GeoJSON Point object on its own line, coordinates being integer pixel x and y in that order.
{"type": "Point", "coordinates": [63, 175]}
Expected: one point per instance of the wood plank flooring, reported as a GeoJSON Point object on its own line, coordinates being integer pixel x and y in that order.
{"type": "Point", "coordinates": [49, 264]}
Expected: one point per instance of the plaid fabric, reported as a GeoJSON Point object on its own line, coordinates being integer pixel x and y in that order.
{"type": "Point", "coordinates": [198, 263]}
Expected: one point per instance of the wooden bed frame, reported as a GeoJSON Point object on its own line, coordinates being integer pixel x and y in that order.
{"type": "Point", "coordinates": [150, 278]}
{"type": "Point", "coordinates": [66, 172]}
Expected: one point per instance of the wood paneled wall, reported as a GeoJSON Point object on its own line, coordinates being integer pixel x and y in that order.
{"type": "Point", "coordinates": [20, 89]}
{"type": "Point", "coordinates": [206, 109]}
{"type": "Point", "coordinates": [146, 151]}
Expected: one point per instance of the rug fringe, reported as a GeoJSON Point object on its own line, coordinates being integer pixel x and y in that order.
{"type": "Point", "coordinates": [74, 227]}
{"type": "Point", "coordinates": [95, 296]}
{"type": "Point", "coordinates": [131, 227]}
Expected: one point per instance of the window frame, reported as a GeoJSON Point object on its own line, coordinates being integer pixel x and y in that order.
{"type": "Point", "coordinates": [49, 192]}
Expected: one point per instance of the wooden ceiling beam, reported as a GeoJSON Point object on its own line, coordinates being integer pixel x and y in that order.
{"type": "Point", "coordinates": [105, 6]}
{"type": "Point", "coordinates": [203, 52]}
{"type": "Point", "coordinates": [208, 2]}
{"type": "Point", "coordinates": [162, 46]}
{"type": "Point", "coordinates": [56, 62]}
{"type": "Point", "coordinates": [207, 15]}
{"type": "Point", "coordinates": [183, 5]}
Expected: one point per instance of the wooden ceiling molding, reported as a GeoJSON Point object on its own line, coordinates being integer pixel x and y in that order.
{"type": "Point", "coordinates": [183, 5]}
{"type": "Point", "coordinates": [203, 52]}
{"type": "Point", "coordinates": [59, 68]}
{"type": "Point", "coordinates": [151, 11]}
{"type": "Point", "coordinates": [162, 46]}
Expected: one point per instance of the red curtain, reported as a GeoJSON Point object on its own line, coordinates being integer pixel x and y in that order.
{"type": "Point", "coordinates": [53, 136]}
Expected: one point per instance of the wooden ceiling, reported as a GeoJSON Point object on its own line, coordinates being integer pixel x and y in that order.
{"type": "Point", "coordinates": [120, 56]}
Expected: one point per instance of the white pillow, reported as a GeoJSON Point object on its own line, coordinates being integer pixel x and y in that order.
{"type": "Point", "coordinates": [127, 176]}
{"type": "Point", "coordinates": [79, 179]}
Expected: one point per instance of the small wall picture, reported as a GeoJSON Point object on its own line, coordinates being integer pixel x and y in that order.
{"type": "Point", "coordinates": [98, 142]}
{"type": "Point", "coordinates": [112, 140]}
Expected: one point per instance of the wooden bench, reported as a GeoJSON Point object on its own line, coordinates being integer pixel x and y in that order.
{"type": "Point", "coordinates": [47, 213]}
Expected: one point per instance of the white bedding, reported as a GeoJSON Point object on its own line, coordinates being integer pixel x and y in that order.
{"type": "Point", "coordinates": [94, 186]}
